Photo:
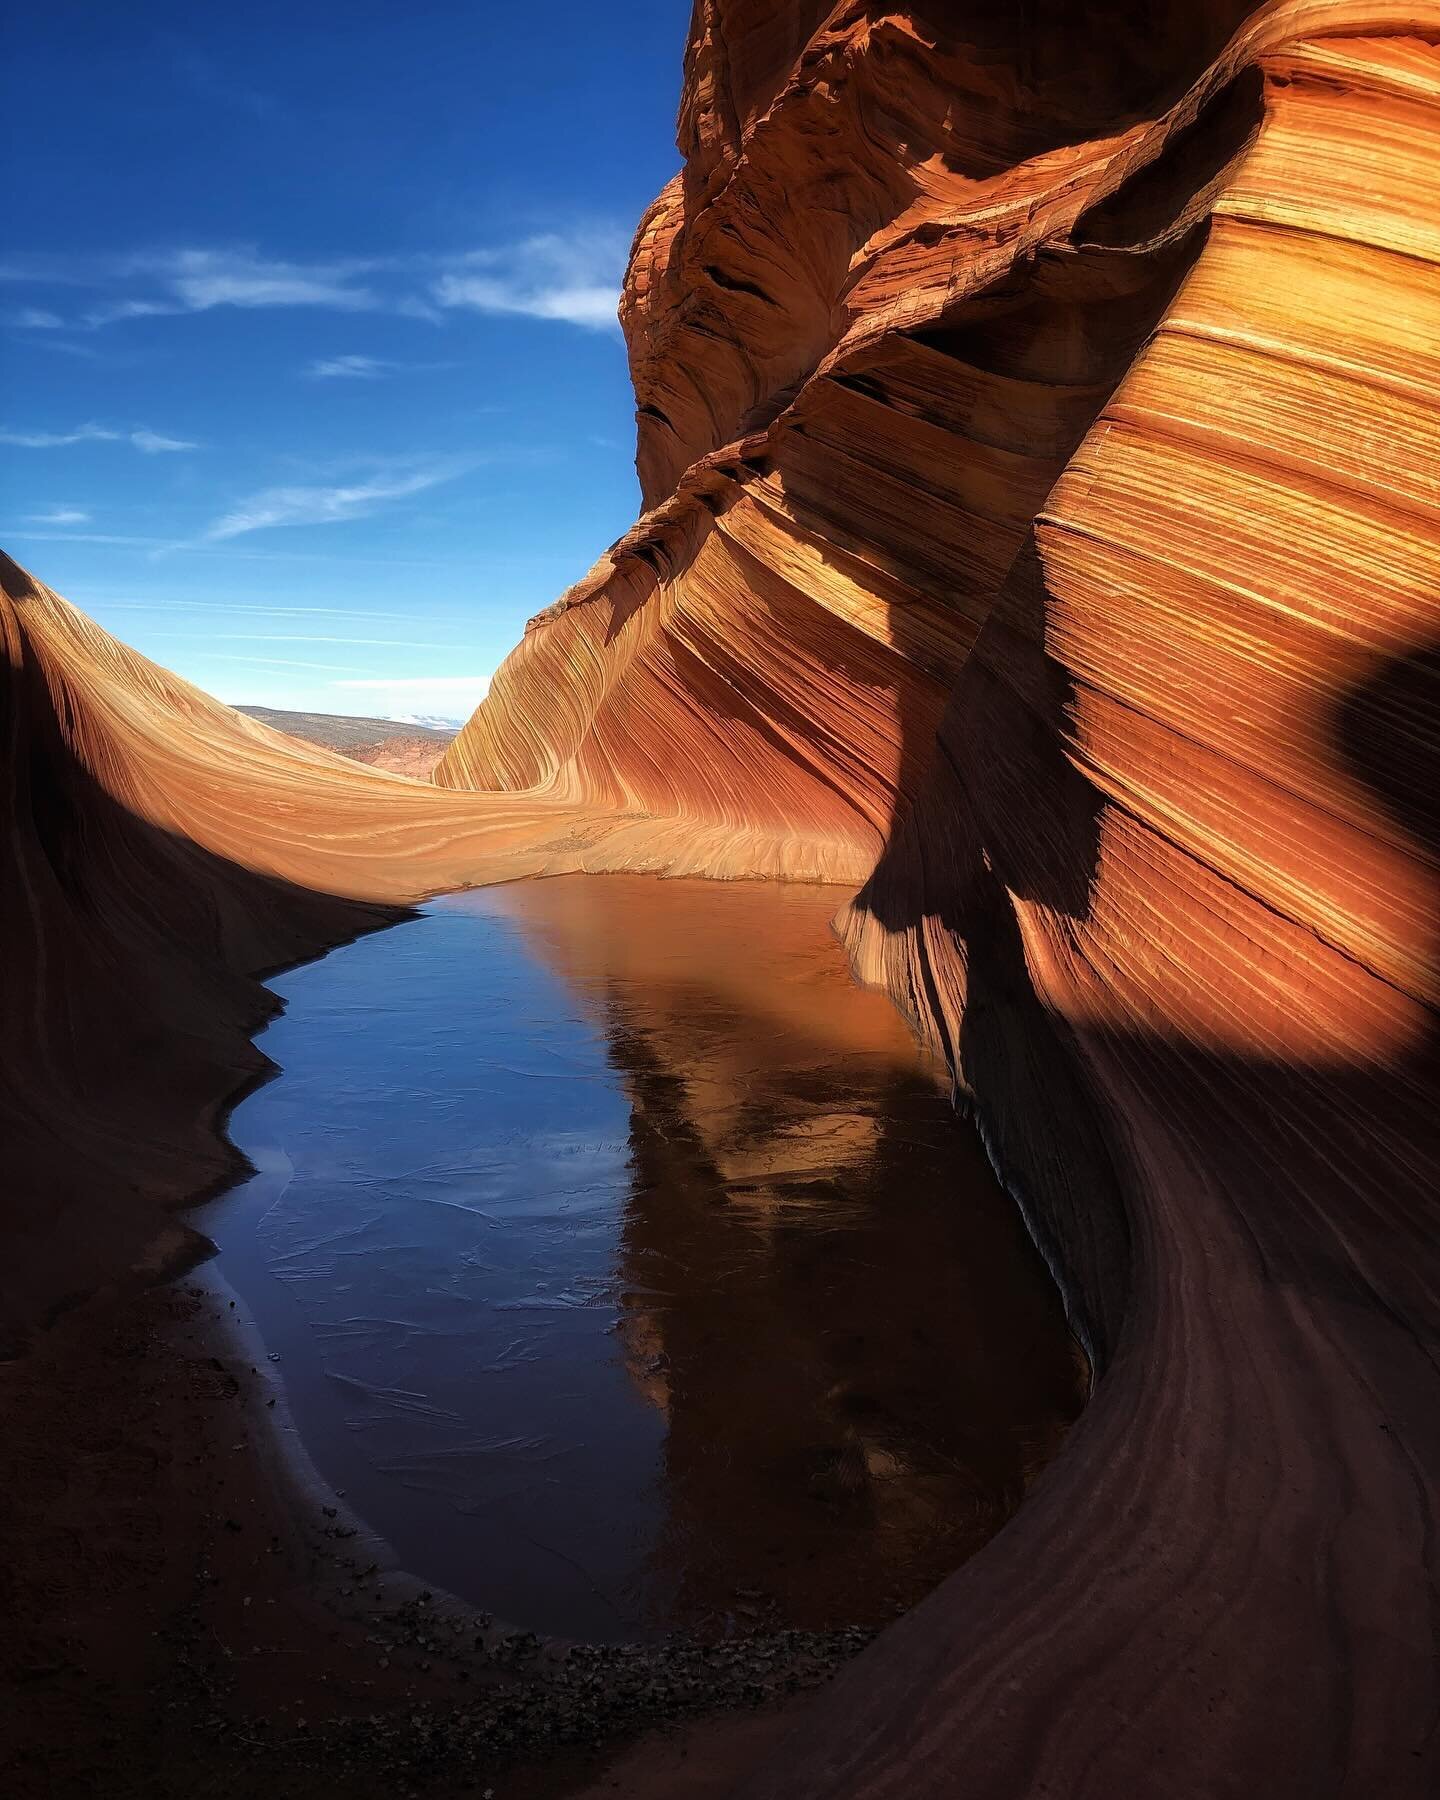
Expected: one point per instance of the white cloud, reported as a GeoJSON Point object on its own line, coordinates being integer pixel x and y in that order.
{"type": "Point", "coordinates": [574, 278]}
{"type": "Point", "coordinates": [151, 442]}
{"type": "Point", "coordinates": [259, 612]}
{"type": "Point", "coordinates": [323, 505]}
{"type": "Point", "coordinates": [53, 440]}
{"type": "Point", "coordinates": [570, 276]}
{"type": "Point", "coordinates": [278, 662]}
{"type": "Point", "coordinates": [87, 537]}
{"type": "Point", "coordinates": [205, 278]}
{"type": "Point", "coordinates": [197, 280]}
{"type": "Point", "coordinates": [35, 318]}
{"type": "Point", "coordinates": [368, 368]}
{"type": "Point", "coordinates": [352, 368]}
{"type": "Point", "coordinates": [287, 637]}
{"type": "Point", "coordinates": [59, 515]}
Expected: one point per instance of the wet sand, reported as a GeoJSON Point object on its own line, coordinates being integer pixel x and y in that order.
{"type": "Point", "coordinates": [183, 1619]}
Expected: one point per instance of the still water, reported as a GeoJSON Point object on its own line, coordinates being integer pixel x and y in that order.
{"type": "Point", "coordinates": [627, 1266]}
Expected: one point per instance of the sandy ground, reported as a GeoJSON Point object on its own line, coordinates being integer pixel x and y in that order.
{"type": "Point", "coordinates": [184, 1618]}
{"type": "Point", "coordinates": [412, 756]}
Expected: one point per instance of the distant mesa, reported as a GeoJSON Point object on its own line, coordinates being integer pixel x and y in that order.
{"type": "Point", "coordinates": [376, 742]}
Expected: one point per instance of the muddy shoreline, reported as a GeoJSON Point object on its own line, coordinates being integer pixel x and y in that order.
{"type": "Point", "coordinates": [187, 1616]}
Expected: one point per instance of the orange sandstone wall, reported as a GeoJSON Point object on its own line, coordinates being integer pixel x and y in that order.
{"type": "Point", "coordinates": [1037, 419]}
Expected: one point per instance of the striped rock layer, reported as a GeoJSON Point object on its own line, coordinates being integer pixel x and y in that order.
{"type": "Point", "coordinates": [1038, 434]}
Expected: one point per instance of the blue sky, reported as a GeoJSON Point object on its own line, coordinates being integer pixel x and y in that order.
{"type": "Point", "coordinates": [312, 388]}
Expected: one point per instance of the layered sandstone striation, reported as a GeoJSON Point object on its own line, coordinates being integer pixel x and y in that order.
{"type": "Point", "coordinates": [1037, 426]}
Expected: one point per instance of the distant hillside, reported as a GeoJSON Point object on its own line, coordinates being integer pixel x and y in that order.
{"type": "Point", "coordinates": [405, 749]}
{"type": "Point", "coordinates": [343, 731]}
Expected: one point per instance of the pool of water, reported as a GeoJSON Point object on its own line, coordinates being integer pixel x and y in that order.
{"type": "Point", "coordinates": [628, 1268]}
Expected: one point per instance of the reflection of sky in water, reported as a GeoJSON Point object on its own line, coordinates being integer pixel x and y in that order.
{"type": "Point", "coordinates": [571, 1280]}
{"type": "Point", "coordinates": [457, 1163]}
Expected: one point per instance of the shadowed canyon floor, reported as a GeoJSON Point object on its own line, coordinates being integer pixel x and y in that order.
{"type": "Point", "coordinates": [1037, 430]}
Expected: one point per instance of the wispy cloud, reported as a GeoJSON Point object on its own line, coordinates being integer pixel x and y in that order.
{"type": "Point", "coordinates": [366, 368]}
{"type": "Point", "coordinates": [324, 505]}
{"type": "Point", "coordinates": [59, 515]}
{"type": "Point", "coordinates": [569, 276]}
{"type": "Point", "coordinates": [287, 637]}
{"type": "Point", "coordinates": [214, 607]}
{"type": "Point", "coordinates": [349, 368]}
{"type": "Point", "coordinates": [36, 318]}
{"type": "Point", "coordinates": [151, 442]}
{"type": "Point", "coordinates": [204, 278]}
{"type": "Point", "coordinates": [196, 280]}
{"type": "Point", "coordinates": [573, 278]}
{"type": "Point", "coordinates": [54, 440]}
{"type": "Point", "coordinates": [276, 662]}
{"type": "Point", "coordinates": [232, 553]}
{"type": "Point", "coordinates": [88, 537]}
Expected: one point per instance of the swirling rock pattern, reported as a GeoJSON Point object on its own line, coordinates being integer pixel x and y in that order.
{"type": "Point", "coordinates": [1037, 426]}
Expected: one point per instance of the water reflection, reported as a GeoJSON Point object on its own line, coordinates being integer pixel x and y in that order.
{"type": "Point", "coordinates": [630, 1268]}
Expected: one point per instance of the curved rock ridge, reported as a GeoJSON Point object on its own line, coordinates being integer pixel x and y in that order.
{"type": "Point", "coordinates": [1037, 429]}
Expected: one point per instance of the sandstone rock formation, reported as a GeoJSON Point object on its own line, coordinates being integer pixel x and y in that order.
{"type": "Point", "coordinates": [1037, 429]}
{"type": "Point", "coordinates": [408, 754]}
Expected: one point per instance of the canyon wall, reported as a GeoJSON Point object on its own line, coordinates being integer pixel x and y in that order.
{"type": "Point", "coordinates": [1037, 413]}
{"type": "Point", "coordinates": [1037, 430]}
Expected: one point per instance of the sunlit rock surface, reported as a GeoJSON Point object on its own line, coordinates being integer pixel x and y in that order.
{"type": "Point", "coordinates": [1037, 421]}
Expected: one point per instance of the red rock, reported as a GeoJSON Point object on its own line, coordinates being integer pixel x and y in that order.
{"type": "Point", "coordinates": [1072, 565]}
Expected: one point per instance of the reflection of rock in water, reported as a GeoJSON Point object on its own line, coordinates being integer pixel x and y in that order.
{"type": "Point", "coordinates": [860, 1358]}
